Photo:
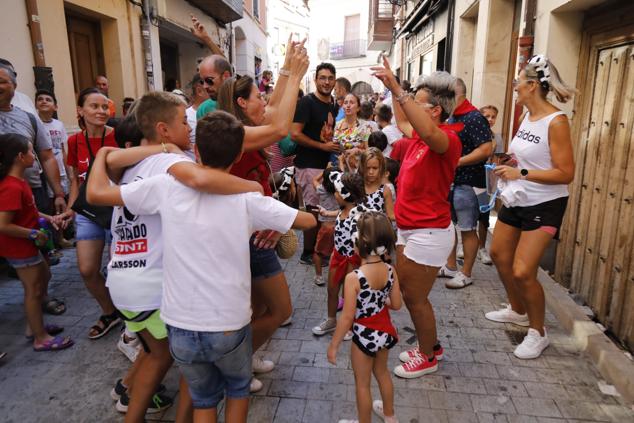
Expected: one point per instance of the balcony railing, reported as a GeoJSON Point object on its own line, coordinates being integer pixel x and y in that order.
{"type": "Point", "coordinates": [348, 49]}
{"type": "Point", "coordinates": [381, 25]}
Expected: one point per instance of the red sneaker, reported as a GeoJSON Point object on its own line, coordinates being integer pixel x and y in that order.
{"type": "Point", "coordinates": [408, 355]}
{"type": "Point", "coordinates": [418, 366]}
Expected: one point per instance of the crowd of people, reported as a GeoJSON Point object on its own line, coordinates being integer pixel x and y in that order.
{"type": "Point", "coordinates": [195, 197]}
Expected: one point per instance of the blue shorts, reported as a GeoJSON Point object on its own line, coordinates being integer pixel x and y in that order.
{"type": "Point", "coordinates": [465, 207]}
{"type": "Point", "coordinates": [213, 363]}
{"type": "Point", "coordinates": [87, 230]}
{"type": "Point", "coordinates": [264, 262]}
{"type": "Point", "coordinates": [19, 263]}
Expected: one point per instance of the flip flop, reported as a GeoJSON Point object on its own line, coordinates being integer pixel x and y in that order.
{"type": "Point", "coordinates": [50, 329]}
{"type": "Point", "coordinates": [55, 344]}
{"type": "Point", "coordinates": [54, 306]}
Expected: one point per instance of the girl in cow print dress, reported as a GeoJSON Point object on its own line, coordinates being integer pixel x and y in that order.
{"type": "Point", "coordinates": [379, 196]}
{"type": "Point", "coordinates": [369, 292]}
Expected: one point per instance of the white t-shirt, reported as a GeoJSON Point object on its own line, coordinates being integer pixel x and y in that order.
{"type": "Point", "coordinates": [59, 137]}
{"type": "Point", "coordinates": [207, 276]}
{"type": "Point", "coordinates": [135, 271]}
{"type": "Point", "coordinates": [393, 134]}
{"type": "Point", "coordinates": [190, 112]}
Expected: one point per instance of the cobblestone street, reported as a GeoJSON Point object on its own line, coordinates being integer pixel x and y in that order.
{"type": "Point", "coordinates": [479, 380]}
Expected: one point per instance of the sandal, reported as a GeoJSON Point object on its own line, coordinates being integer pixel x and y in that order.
{"type": "Point", "coordinates": [55, 344]}
{"type": "Point", "coordinates": [54, 306]}
{"type": "Point", "coordinates": [50, 329]}
{"type": "Point", "coordinates": [108, 321]}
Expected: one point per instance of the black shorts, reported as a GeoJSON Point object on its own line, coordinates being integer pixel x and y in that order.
{"type": "Point", "coordinates": [549, 213]}
{"type": "Point", "coordinates": [484, 219]}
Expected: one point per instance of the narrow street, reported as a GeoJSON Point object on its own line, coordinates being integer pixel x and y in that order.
{"type": "Point", "coordinates": [479, 380]}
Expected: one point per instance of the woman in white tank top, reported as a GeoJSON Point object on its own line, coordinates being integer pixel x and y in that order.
{"type": "Point", "coordinates": [545, 166]}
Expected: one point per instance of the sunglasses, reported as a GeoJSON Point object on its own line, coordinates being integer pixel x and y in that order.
{"type": "Point", "coordinates": [208, 80]}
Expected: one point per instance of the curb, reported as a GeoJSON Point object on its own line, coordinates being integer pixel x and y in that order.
{"type": "Point", "coordinates": [609, 359]}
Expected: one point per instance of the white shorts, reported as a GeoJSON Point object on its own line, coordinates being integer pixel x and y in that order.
{"type": "Point", "coordinates": [429, 247]}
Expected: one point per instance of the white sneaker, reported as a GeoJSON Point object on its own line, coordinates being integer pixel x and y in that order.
{"type": "Point", "coordinates": [484, 256]}
{"type": "Point", "coordinates": [445, 272]}
{"type": "Point", "coordinates": [255, 385]}
{"type": "Point", "coordinates": [347, 336]}
{"type": "Point", "coordinates": [507, 315]}
{"type": "Point", "coordinates": [130, 349]}
{"type": "Point", "coordinates": [459, 250]}
{"type": "Point", "coordinates": [459, 281]}
{"type": "Point", "coordinates": [532, 346]}
{"type": "Point", "coordinates": [377, 407]}
{"type": "Point", "coordinates": [319, 280]}
{"type": "Point", "coordinates": [259, 365]}
{"type": "Point", "coordinates": [324, 327]}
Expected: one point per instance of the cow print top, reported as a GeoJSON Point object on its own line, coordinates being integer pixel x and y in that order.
{"type": "Point", "coordinates": [344, 230]}
{"type": "Point", "coordinates": [370, 302]}
{"type": "Point", "coordinates": [376, 200]}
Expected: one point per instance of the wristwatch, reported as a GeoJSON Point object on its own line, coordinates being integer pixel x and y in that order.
{"type": "Point", "coordinates": [523, 174]}
{"type": "Point", "coordinates": [33, 235]}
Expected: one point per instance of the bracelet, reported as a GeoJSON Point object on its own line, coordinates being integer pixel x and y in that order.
{"type": "Point", "coordinates": [284, 72]}
{"type": "Point", "coordinates": [33, 234]}
{"type": "Point", "coordinates": [403, 97]}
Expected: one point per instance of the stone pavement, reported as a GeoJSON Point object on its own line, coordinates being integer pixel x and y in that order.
{"type": "Point", "coordinates": [479, 381]}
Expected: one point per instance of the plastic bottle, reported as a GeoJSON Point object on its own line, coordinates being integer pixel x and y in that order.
{"type": "Point", "coordinates": [45, 228]}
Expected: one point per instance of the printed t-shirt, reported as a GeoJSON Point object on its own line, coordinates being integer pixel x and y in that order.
{"type": "Point", "coordinates": [206, 106]}
{"type": "Point", "coordinates": [59, 137]}
{"type": "Point", "coordinates": [352, 136]}
{"type": "Point", "coordinates": [312, 112]}
{"type": "Point", "coordinates": [78, 154]}
{"type": "Point", "coordinates": [135, 271]}
{"type": "Point", "coordinates": [475, 133]}
{"type": "Point", "coordinates": [253, 166]}
{"type": "Point", "coordinates": [16, 196]}
{"type": "Point", "coordinates": [17, 121]}
{"type": "Point", "coordinates": [207, 278]}
{"type": "Point", "coordinates": [423, 184]}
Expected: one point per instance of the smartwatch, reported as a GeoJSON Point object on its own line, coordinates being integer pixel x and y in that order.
{"type": "Point", "coordinates": [523, 174]}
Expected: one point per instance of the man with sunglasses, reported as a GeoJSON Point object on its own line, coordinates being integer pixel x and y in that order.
{"type": "Point", "coordinates": [213, 71]}
{"type": "Point", "coordinates": [469, 185]}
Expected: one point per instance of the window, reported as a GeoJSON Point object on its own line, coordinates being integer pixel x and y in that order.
{"type": "Point", "coordinates": [256, 9]}
{"type": "Point", "coordinates": [426, 62]}
{"type": "Point", "coordinates": [409, 71]}
{"type": "Point", "coordinates": [440, 59]}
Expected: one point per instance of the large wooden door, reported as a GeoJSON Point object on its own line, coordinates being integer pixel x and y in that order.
{"type": "Point", "coordinates": [596, 258]}
{"type": "Point", "coordinates": [86, 51]}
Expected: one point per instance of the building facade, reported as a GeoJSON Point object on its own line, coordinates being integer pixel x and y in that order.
{"type": "Point", "coordinates": [250, 40]}
{"type": "Point", "coordinates": [139, 46]}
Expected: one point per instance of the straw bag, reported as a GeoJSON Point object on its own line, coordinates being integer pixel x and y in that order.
{"type": "Point", "coordinates": [287, 245]}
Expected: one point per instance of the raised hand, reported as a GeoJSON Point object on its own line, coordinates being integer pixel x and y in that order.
{"type": "Point", "coordinates": [198, 29]}
{"type": "Point", "coordinates": [385, 74]}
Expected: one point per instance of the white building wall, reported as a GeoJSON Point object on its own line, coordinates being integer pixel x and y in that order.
{"type": "Point", "coordinates": [247, 49]}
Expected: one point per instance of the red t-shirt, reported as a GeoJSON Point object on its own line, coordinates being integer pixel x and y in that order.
{"type": "Point", "coordinates": [253, 166]}
{"type": "Point", "coordinates": [16, 196]}
{"type": "Point", "coordinates": [423, 184]}
{"type": "Point", "coordinates": [78, 154]}
{"type": "Point", "coordinates": [399, 148]}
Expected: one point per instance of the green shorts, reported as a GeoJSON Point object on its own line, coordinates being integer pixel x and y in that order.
{"type": "Point", "coordinates": [153, 324]}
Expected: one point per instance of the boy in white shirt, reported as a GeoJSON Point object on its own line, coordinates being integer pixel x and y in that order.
{"type": "Point", "coordinates": [206, 300]}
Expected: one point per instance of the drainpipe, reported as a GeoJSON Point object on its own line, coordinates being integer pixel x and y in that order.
{"type": "Point", "coordinates": [525, 50]}
{"type": "Point", "coordinates": [451, 10]}
{"type": "Point", "coordinates": [146, 34]}
{"type": "Point", "coordinates": [43, 74]}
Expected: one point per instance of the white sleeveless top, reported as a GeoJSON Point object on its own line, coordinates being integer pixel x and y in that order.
{"type": "Point", "coordinates": [531, 147]}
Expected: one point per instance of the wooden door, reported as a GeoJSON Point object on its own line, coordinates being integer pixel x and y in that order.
{"type": "Point", "coordinates": [86, 52]}
{"type": "Point", "coordinates": [596, 258]}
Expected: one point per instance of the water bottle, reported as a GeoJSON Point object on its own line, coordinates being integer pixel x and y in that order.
{"type": "Point", "coordinates": [45, 228]}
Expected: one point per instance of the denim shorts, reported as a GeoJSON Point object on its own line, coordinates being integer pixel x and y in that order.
{"type": "Point", "coordinates": [19, 263]}
{"type": "Point", "coordinates": [213, 363]}
{"type": "Point", "coordinates": [87, 230]}
{"type": "Point", "coordinates": [264, 262]}
{"type": "Point", "coordinates": [465, 207]}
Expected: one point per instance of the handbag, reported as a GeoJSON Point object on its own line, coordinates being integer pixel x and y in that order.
{"type": "Point", "coordinates": [287, 146]}
{"type": "Point", "coordinates": [287, 245]}
{"type": "Point", "coordinates": [101, 215]}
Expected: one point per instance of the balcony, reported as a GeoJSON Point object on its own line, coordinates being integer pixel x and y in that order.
{"type": "Point", "coordinates": [224, 11]}
{"type": "Point", "coordinates": [348, 49]}
{"type": "Point", "coordinates": [381, 25]}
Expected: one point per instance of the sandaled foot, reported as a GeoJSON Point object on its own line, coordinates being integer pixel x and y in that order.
{"type": "Point", "coordinates": [104, 325]}
{"type": "Point", "coordinates": [54, 306]}
{"type": "Point", "coordinates": [54, 344]}
{"type": "Point", "coordinates": [50, 329]}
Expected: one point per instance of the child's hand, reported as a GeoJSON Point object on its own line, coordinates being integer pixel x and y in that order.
{"type": "Point", "coordinates": [41, 238]}
{"type": "Point", "coordinates": [322, 211]}
{"type": "Point", "coordinates": [332, 354]}
{"type": "Point", "coordinates": [266, 239]}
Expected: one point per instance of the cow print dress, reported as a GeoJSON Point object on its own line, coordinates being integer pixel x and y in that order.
{"type": "Point", "coordinates": [344, 230]}
{"type": "Point", "coordinates": [370, 302]}
{"type": "Point", "coordinates": [376, 200]}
